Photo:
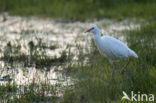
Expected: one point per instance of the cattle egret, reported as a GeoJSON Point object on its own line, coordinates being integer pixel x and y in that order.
{"type": "Point", "coordinates": [111, 48]}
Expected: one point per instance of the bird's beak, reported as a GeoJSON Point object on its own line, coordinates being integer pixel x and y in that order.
{"type": "Point", "coordinates": [88, 30]}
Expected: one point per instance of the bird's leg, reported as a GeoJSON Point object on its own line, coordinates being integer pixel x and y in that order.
{"type": "Point", "coordinates": [124, 67]}
{"type": "Point", "coordinates": [112, 69]}
{"type": "Point", "coordinates": [112, 65]}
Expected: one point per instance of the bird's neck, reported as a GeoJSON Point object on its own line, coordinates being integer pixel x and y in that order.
{"type": "Point", "coordinates": [97, 36]}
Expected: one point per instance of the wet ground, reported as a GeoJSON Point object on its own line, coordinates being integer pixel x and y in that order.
{"type": "Point", "coordinates": [57, 37]}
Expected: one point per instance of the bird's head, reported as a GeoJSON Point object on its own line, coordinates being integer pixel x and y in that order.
{"type": "Point", "coordinates": [92, 29]}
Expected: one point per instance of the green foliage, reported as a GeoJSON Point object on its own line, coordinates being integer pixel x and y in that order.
{"type": "Point", "coordinates": [35, 93]}
{"type": "Point", "coordinates": [143, 41]}
{"type": "Point", "coordinates": [6, 91]}
{"type": "Point", "coordinates": [81, 9]}
{"type": "Point", "coordinates": [94, 83]}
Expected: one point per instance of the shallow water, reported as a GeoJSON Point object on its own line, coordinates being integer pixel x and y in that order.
{"type": "Point", "coordinates": [21, 30]}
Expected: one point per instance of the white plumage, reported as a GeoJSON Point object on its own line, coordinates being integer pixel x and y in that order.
{"type": "Point", "coordinates": [113, 48]}
{"type": "Point", "coordinates": [110, 47]}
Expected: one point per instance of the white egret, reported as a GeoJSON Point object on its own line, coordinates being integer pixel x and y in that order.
{"type": "Point", "coordinates": [111, 48]}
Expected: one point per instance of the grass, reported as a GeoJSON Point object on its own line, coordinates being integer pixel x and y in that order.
{"type": "Point", "coordinates": [81, 10]}
{"type": "Point", "coordinates": [37, 55]}
{"type": "Point", "coordinates": [33, 93]}
{"type": "Point", "coordinates": [94, 83]}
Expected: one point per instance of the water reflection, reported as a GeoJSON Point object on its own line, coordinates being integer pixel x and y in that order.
{"type": "Point", "coordinates": [21, 30]}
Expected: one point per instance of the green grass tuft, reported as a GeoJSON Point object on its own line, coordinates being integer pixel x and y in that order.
{"type": "Point", "coordinates": [94, 83]}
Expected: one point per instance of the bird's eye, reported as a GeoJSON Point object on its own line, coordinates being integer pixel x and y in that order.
{"type": "Point", "coordinates": [92, 28]}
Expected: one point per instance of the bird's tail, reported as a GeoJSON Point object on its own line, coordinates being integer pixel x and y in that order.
{"type": "Point", "coordinates": [132, 53]}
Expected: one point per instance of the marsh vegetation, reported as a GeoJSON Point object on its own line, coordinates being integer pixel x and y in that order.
{"type": "Point", "coordinates": [48, 59]}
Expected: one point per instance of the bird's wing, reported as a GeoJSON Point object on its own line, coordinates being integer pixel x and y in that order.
{"type": "Point", "coordinates": [115, 48]}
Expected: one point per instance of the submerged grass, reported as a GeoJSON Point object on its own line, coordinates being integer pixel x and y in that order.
{"type": "Point", "coordinates": [33, 93]}
{"type": "Point", "coordinates": [37, 55]}
{"type": "Point", "coordinates": [93, 82]}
